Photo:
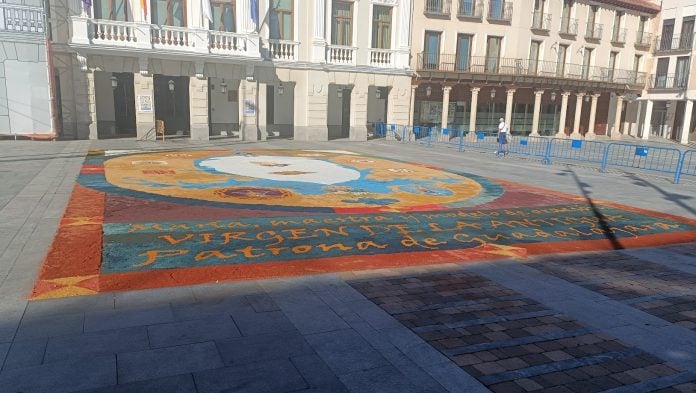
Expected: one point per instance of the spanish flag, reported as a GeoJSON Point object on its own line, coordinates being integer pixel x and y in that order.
{"type": "Point", "coordinates": [143, 5]}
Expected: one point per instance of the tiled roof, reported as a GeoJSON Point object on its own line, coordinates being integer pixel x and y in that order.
{"type": "Point", "coordinates": [638, 5]}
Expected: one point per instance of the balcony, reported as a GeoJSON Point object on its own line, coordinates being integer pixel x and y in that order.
{"type": "Point", "coordinates": [569, 26]}
{"type": "Point", "coordinates": [21, 19]}
{"type": "Point", "coordinates": [143, 36]}
{"type": "Point", "coordinates": [438, 7]}
{"type": "Point", "coordinates": [382, 58]}
{"type": "Point", "coordinates": [499, 12]}
{"type": "Point", "coordinates": [452, 64]}
{"type": "Point", "coordinates": [470, 9]}
{"type": "Point", "coordinates": [670, 82]}
{"type": "Point", "coordinates": [594, 31]}
{"type": "Point", "coordinates": [618, 36]}
{"type": "Point", "coordinates": [644, 40]}
{"type": "Point", "coordinates": [341, 55]}
{"type": "Point", "coordinates": [541, 21]}
{"type": "Point", "coordinates": [282, 50]}
{"type": "Point", "coordinates": [674, 43]}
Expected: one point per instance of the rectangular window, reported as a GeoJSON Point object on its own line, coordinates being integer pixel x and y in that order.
{"type": "Point", "coordinates": [687, 33]}
{"type": "Point", "coordinates": [565, 16]}
{"type": "Point", "coordinates": [431, 55]}
{"type": "Point", "coordinates": [661, 72]}
{"type": "Point", "coordinates": [667, 33]}
{"type": "Point", "coordinates": [534, 57]}
{"type": "Point", "coordinates": [496, 9]}
{"type": "Point", "coordinates": [342, 23]}
{"type": "Point", "coordinates": [561, 60]}
{"type": "Point", "coordinates": [493, 54]}
{"type": "Point", "coordinates": [681, 75]}
{"type": "Point", "coordinates": [636, 66]}
{"type": "Point", "coordinates": [169, 12]}
{"type": "Point", "coordinates": [586, 63]}
{"type": "Point", "coordinates": [612, 65]}
{"type": "Point", "coordinates": [224, 15]}
{"type": "Point", "coordinates": [381, 27]}
{"type": "Point", "coordinates": [281, 20]}
{"type": "Point", "coordinates": [591, 23]}
{"type": "Point", "coordinates": [616, 34]}
{"type": "Point", "coordinates": [111, 10]}
{"type": "Point", "coordinates": [463, 51]}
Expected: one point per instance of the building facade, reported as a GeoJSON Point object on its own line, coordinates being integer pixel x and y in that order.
{"type": "Point", "coordinates": [25, 92]}
{"type": "Point", "coordinates": [247, 69]}
{"type": "Point", "coordinates": [549, 67]}
{"type": "Point", "coordinates": [669, 100]}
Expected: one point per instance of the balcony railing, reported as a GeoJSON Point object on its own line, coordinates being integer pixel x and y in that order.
{"type": "Point", "coordinates": [541, 21]}
{"type": "Point", "coordinates": [644, 39]}
{"type": "Point", "coordinates": [19, 18]}
{"type": "Point", "coordinates": [284, 50]}
{"type": "Point", "coordinates": [594, 31]}
{"type": "Point", "coordinates": [674, 43]}
{"type": "Point", "coordinates": [569, 26]}
{"type": "Point", "coordinates": [339, 54]}
{"type": "Point", "coordinates": [382, 58]}
{"type": "Point", "coordinates": [438, 7]}
{"type": "Point", "coordinates": [671, 81]}
{"type": "Point", "coordinates": [499, 11]}
{"type": "Point", "coordinates": [618, 36]}
{"type": "Point", "coordinates": [526, 67]}
{"type": "Point", "coordinates": [113, 32]}
{"type": "Point", "coordinates": [470, 9]}
{"type": "Point", "coordinates": [224, 42]}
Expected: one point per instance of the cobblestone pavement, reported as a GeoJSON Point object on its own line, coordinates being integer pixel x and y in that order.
{"type": "Point", "coordinates": [619, 321]}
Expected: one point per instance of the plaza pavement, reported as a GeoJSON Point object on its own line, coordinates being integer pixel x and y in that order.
{"type": "Point", "coordinates": [620, 321]}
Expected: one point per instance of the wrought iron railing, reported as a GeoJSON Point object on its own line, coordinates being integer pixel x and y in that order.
{"type": "Point", "coordinates": [438, 7]}
{"type": "Point", "coordinates": [618, 35]}
{"type": "Point", "coordinates": [594, 31]}
{"type": "Point", "coordinates": [644, 39]}
{"type": "Point", "coordinates": [569, 26]}
{"type": "Point", "coordinates": [674, 43]}
{"type": "Point", "coordinates": [526, 67]}
{"type": "Point", "coordinates": [470, 9]}
{"type": "Point", "coordinates": [670, 81]}
{"type": "Point", "coordinates": [541, 21]}
{"type": "Point", "coordinates": [500, 11]}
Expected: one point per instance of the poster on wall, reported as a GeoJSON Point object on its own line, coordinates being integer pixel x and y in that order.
{"type": "Point", "coordinates": [145, 103]}
{"type": "Point", "coordinates": [249, 108]}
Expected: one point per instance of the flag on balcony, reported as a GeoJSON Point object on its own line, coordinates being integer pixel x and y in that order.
{"type": "Point", "coordinates": [254, 6]}
{"type": "Point", "coordinates": [143, 5]}
{"type": "Point", "coordinates": [86, 6]}
{"type": "Point", "coordinates": [207, 11]}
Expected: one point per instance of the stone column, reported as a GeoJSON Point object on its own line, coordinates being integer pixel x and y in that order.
{"type": "Point", "coordinates": [198, 109]}
{"type": "Point", "coordinates": [262, 98]}
{"type": "Point", "coordinates": [92, 105]}
{"type": "Point", "coordinates": [537, 112]}
{"type": "Point", "coordinates": [405, 24]}
{"type": "Point", "coordinates": [564, 111]}
{"type": "Point", "coordinates": [616, 132]}
{"type": "Point", "coordinates": [412, 106]}
{"type": "Point", "coordinates": [144, 116]}
{"type": "Point", "coordinates": [474, 106]}
{"type": "Point", "coordinates": [248, 108]}
{"type": "Point", "coordinates": [578, 113]}
{"type": "Point", "coordinates": [508, 108]}
{"type": "Point", "coordinates": [686, 125]}
{"type": "Point", "coordinates": [590, 134]}
{"type": "Point", "coordinates": [648, 120]}
{"type": "Point", "coordinates": [445, 106]}
{"type": "Point", "coordinates": [319, 38]}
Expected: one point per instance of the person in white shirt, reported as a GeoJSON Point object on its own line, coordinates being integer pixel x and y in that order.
{"type": "Point", "coordinates": [502, 138]}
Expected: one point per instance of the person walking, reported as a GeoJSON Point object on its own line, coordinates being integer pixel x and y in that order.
{"type": "Point", "coordinates": [503, 131]}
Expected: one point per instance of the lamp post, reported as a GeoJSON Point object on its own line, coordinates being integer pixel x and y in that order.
{"type": "Point", "coordinates": [223, 87]}
{"type": "Point", "coordinates": [428, 91]}
{"type": "Point", "coordinates": [171, 85]}
{"type": "Point", "coordinates": [114, 82]}
{"type": "Point", "coordinates": [281, 89]}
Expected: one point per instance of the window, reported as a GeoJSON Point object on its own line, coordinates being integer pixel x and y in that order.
{"type": "Point", "coordinates": [561, 60]}
{"type": "Point", "coordinates": [616, 34]}
{"type": "Point", "coordinates": [565, 16]}
{"type": "Point", "coordinates": [224, 18]}
{"type": "Point", "coordinates": [687, 33]}
{"type": "Point", "coordinates": [342, 23]}
{"type": "Point", "coordinates": [667, 33]}
{"type": "Point", "coordinates": [431, 55]}
{"type": "Point", "coordinates": [281, 24]}
{"type": "Point", "coordinates": [586, 63]}
{"type": "Point", "coordinates": [534, 57]}
{"type": "Point", "coordinates": [636, 63]}
{"type": "Point", "coordinates": [496, 9]}
{"type": "Point", "coordinates": [463, 51]}
{"type": "Point", "coordinates": [661, 72]}
{"type": "Point", "coordinates": [381, 27]}
{"type": "Point", "coordinates": [111, 10]}
{"type": "Point", "coordinates": [612, 64]}
{"type": "Point", "coordinates": [641, 27]}
{"type": "Point", "coordinates": [493, 45]}
{"type": "Point", "coordinates": [591, 22]}
{"type": "Point", "coordinates": [681, 75]}
{"type": "Point", "coordinates": [169, 12]}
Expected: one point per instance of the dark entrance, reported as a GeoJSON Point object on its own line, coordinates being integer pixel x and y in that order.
{"type": "Point", "coordinates": [338, 116]}
{"type": "Point", "coordinates": [124, 104]}
{"type": "Point", "coordinates": [172, 103]}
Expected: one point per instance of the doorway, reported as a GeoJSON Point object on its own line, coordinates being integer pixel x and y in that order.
{"type": "Point", "coordinates": [172, 103]}
{"type": "Point", "coordinates": [338, 116]}
{"type": "Point", "coordinates": [115, 104]}
{"type": "Point", "coordinates": [280, 110]}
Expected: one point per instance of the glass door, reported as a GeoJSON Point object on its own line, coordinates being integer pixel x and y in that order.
{"type": "Point", "coordinates": [493, 54]}
{"type": "Point", "coordinates": [431, 55]}
{"type": "Point", "coordinates": [463, 52]}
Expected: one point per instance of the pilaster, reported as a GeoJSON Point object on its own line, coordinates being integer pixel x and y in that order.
{"type": "Point", "coordinates": [648, 119]}
{"type": "Point", "coordinates": [578, 115]}
{"type": "Point", "coordinates": [538, 94]}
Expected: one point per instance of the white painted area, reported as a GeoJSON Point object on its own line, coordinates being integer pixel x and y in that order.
{"type": "Point", "coordinates": [297, 169]}
{"type": "Point", "coordinates": [122, 152]}
{"type": "Point", "coordinates": [28, 97]}
{"type": "Point", "coordinates": [335, 152]}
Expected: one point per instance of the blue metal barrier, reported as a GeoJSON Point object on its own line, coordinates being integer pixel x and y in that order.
{"type": "Point", "coordinates": [378, 130]}
{"type": "Point", "coordinates": [534, 146]}
{"type": "Point", "coordinates": [450, 137]}
{"type": "Point", "coordinates": [687, 165]}
{"type": "Point", "coordinates": [577, 149]}
{"type": "Point", "coordinates": [660, 159]}
{"type": "Point", "coordinates": [485, 140]}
